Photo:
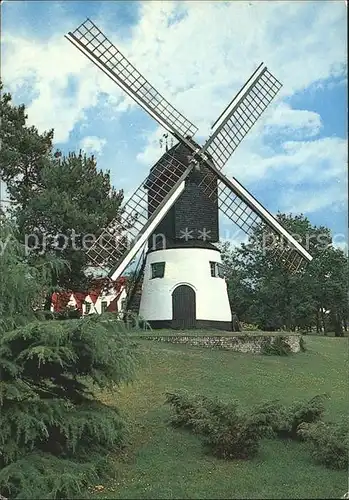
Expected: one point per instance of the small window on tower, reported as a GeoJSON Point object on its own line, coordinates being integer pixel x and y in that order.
{"type": "Point", "coordinates": [220, 270]}
{"type": "Point", "coordinates": [87, 307]}
{"type": "Point", "coordinates": [213, 269]}
{"type": "Point", "coordinates": [104, 306]}
{"type": "Point", "coordinates": [217, 270]}
{"type": "Point", "coordinates": [157, 270]}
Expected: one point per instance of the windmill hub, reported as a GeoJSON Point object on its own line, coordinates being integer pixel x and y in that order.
{"type": "Point", "coordinates": [175, 210]}
{"type": "Point", "coordinates": [195, 163]}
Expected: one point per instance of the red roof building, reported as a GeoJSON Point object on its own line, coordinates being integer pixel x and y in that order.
{"type": "Point", "coordinates": [104, 295]}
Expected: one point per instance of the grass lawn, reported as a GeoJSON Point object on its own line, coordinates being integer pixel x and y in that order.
{"type": "Point", "coordinates": [162, 462]}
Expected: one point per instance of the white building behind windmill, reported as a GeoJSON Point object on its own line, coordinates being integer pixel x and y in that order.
{"type": "Point", "coordinates": [110, 300]}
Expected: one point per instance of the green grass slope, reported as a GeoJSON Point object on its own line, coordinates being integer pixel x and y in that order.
{"type": "Point", "coordinates": [162, 462]}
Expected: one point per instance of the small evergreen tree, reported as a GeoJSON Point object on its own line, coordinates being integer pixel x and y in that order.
{"type": "Point", "coordinates": [54, 434]}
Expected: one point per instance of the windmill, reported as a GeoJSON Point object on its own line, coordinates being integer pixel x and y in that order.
{"type": "Point", "coordinates": [174, 212]}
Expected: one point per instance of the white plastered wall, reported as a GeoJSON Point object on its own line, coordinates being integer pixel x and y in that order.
{"type": "Point", "coordinates": [108, 297]}
{"type": "Point", "coordinates": [184, 266]}
{"type": "Point", "coordinates": [92, 308]}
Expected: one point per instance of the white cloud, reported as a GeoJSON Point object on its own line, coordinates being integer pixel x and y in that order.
{"type": "Point", "coordinates": [314, 199]}
{"type": "Point", "coordinates": [128, 194]}
{"type": "Point", "coordinates": [203, 72]}
{"type": "Point", "coordinates": [305, 176]}
{"type": "Point", "coordinates": [238, 35]}
{"type": "Point", "coordinates": [199, 63]}
{"type": "Point", "coordinates": [231, 233]}
{"type": "Point", "coordinates": [92, 144]}
{"type": "Point", "coordinates": [63, 83]}
{"type": "Point", "coordinates": [154, 148]}
{"type": "Point", "coordinates": [295, 122]}
{"type": "Point", "coordinates": [341, 243]}
{"type": "Point", "coordinates": [312, 161]}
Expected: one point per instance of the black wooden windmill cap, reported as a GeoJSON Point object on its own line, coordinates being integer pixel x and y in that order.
{"type": "Point", "coordinates": [183, 154]}
{"type": "Point", "coordinates": [192, 221]}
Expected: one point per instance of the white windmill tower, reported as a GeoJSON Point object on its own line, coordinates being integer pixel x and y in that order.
{"type": "Point", "coordinates": [174, 212]}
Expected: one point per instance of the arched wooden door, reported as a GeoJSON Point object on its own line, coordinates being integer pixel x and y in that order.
{"type": "Point", "coordinates": [183, 307]}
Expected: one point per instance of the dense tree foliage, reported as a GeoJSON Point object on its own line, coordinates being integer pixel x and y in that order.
{"type": "Point", "coordinates": [264, 292]}
{"type": "Point", "coordinates": [22, 287]}
{"type": "Point", "coordinates": [24, 152]}
{"type": "Point", "coordinates": [54, 434]}
{"type": "Point", "coordinates": [60, 203]}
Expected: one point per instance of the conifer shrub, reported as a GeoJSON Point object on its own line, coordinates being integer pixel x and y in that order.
{"type": "Point", "coordinates": [55, 435]}
{"type": "Point", "coordinates": [189, 411]}
{"type": "Point", "coordinates": [286, 421]}
{"type": "Point", "coordinates": [329, 442]}
{"type": "Point", "coordinates": [231, 433]}
{"type": "Point", "coordinates": [227, 431]}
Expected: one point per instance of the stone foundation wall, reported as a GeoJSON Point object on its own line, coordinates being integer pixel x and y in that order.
{"type": "Point", "coordinates": [242, 343]}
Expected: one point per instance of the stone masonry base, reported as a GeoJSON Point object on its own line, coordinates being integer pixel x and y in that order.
{"type": "Point", "coordinates": [241, 343]}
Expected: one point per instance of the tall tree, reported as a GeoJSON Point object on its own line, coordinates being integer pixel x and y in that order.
{"type": "Point", "coordinates": [74, 203]}
{"type": "Point", "coordinates": [327, 278]}
{"type": "Point", "coordinates": [23, 153]}
{"type": "Point", "coordinates": [266, 293]}
{"type": "Point", "coordinates": [59, 200]}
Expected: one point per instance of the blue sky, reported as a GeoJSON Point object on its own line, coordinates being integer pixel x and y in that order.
{"type": "Point", "coordinates": [197, 54]}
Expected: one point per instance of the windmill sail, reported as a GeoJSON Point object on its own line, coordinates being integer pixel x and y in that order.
{"type": "Point", "coordinates": [120, 241]}
{"type": "Point", "coordinates": [90, 40]}
{"type": "Point", "coordinates": [243, 115]}
{"type": "Point", "coordinates": [246, 212]}
{"type": "Point", "coordinates": [246, 107]}
{"type": "Point", "coordinates": [123, 238]}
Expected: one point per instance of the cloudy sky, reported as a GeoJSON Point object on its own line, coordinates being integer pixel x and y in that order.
{"type": "Point", "coordinates": [197, 54]}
